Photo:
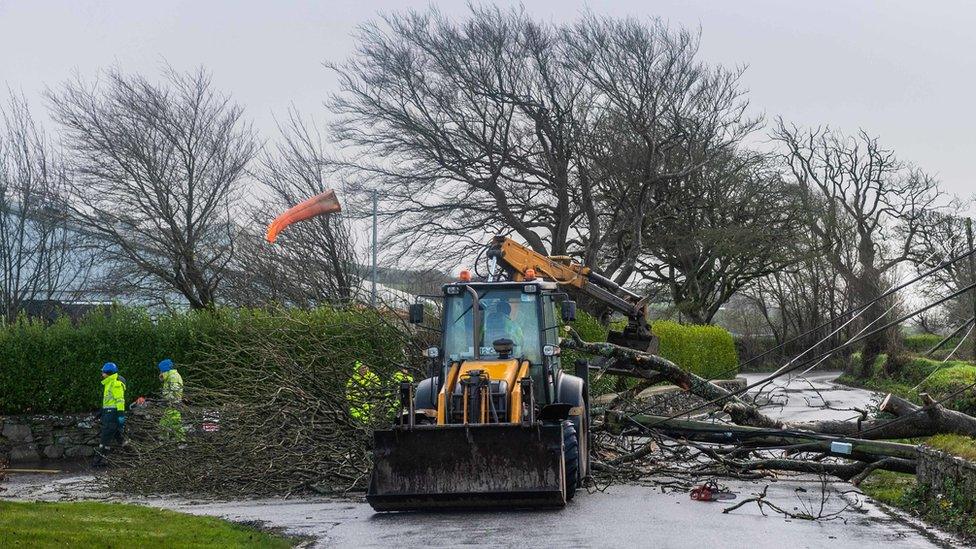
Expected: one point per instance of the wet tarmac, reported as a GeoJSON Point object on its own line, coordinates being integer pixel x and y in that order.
{"type": "Point", "coordinates": [621, 516]}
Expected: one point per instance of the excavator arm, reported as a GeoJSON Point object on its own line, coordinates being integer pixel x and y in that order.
{"type": "Point", "coordinates": [519, 262]}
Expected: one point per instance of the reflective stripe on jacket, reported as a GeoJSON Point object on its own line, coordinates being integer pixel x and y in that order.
{"type": "Point", "coordinates": [113, 393]}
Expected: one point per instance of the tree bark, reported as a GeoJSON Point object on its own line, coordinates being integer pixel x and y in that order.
{"type": "Point", "coordinates": [854, 472]}
{"type": "Point", "coordinates": [932, 419]}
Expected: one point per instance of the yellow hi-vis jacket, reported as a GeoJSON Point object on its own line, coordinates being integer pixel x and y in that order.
{"type": "Point", "coordinates": [399, 377]}
{"type": "Point", "coordinates": [113, 393]}
{"type": "Point", "coordinates": [172, 386]}
{"type": "Point", "coordinates": [358, 392]}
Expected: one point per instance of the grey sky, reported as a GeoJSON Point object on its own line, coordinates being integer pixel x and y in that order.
{"type": "Point", "coordinates": [903, 70]}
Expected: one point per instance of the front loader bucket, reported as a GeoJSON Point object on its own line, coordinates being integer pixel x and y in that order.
{"type": "Point", "coordinates": [465, 467]}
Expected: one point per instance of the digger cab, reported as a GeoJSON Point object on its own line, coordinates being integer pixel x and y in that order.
{"type": "Point", "coordinates": [518, 312]}
{"type": "Point", "coordinates": [498, 423]}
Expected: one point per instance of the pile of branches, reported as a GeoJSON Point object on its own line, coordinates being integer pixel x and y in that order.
{"type": "Point", "coordinates": [732, 437]}
{"type": "Point", "coordinates": [267, 420]}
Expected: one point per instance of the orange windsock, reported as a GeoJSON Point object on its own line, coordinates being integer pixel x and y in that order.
{"type": "Point", "coordinates": [319, 204]}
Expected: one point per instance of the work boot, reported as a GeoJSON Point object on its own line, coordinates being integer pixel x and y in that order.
{"type": "Point", "coordinates": [101, 457]}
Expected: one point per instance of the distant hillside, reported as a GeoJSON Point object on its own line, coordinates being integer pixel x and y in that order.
{"type": "Point", "coordinates": [408, 280]}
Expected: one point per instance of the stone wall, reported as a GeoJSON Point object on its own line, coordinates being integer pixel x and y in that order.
{"type": "Point", "coordinates": [48, 437]}
{"type": "Point", "coordinates": [935, 468]}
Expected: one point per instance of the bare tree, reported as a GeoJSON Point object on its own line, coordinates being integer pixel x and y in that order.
{"type": "Point", "coordinates": [941, 238]}
{"type": "Point", "coordinates": [42, 257]}
{"type": "Point", "coordinates": [465, 128]}
{"type": "Point", "coordinates": [557, 135]}
{"type": "Point", "coordinates": [157, 167]}
{"type": "Point", "coordinates": [719, 228]}
{"type": "Point", "coordinates": [865, 205]}
{"type": "Point", "coordinates": [803, 298]}
{"type": "Point", "coordinates": [313, 262]}
{"type": "Point", "coordinates": [656, 117]}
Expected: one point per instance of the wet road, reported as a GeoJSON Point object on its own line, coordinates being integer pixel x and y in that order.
{"type": "Point", "coordinates": [622, 516]}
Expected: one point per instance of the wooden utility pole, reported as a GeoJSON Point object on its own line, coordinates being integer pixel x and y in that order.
{"type": "Point", "coordinates": [972, 273]}
{"type": "Point", "coordinates": [618, 422]}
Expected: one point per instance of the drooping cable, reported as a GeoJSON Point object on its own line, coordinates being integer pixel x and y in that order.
{"type": "Point", "coordinates": [844, 345]}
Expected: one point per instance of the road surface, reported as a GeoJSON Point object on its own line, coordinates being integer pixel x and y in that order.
{"type": "Point", "coordinates": [621, 516]}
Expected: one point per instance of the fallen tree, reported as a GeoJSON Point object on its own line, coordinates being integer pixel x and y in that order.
{"type": "Point", "coordinates": [275, 414]}
{"type": "Point", "coordinates": [871, 454]}
{"type": "Point", "coordinates": [756, 437]}
{"type": "Point", "coordinates": [912, 421]}
{"type": "Point", "coordinates": [666, 449]}
{"type": "Point", "coordinates": [283, 425]}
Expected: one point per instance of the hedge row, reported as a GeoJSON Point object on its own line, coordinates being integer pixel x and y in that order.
{"type": "Point", "coordinates": [56, 368]}
{"type": "Point", "coordinates": [921, 343]}
{"type": "Point", "coordinates": [708, 351]}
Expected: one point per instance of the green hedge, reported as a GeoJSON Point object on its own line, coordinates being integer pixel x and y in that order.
{"type": "Point", "coordinates": [589, 328]}
{"type": "Point", "coordinates": [708, 351]}
{"type": "Point", "coordinates": [921, 343]}
{"type": "Point", "coordinates": [56, 368]}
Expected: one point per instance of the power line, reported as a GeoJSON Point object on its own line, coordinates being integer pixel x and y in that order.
{"type": "Point", "coordinates": [844, 345]}
{"type": "Point", "coordinates": [859, 309]}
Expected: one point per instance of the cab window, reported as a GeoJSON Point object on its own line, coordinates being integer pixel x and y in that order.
{"type": "Point", "coordinates": [505, 313]}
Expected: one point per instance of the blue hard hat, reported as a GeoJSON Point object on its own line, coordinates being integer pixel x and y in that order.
{"type": "Point", "coordinates": [109, 368]}
{"type": "Point", "coordinates": [165, 365]}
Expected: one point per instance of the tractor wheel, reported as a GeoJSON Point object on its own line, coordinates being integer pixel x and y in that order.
{"type": "Point", "coordinates": [572, 457]}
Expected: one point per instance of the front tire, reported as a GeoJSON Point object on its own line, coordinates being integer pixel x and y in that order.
{"type": "Point", "coordinates": [571, 454]}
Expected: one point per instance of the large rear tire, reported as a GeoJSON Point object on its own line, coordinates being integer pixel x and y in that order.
{"type": "Point", "coordinates": [571, 453]}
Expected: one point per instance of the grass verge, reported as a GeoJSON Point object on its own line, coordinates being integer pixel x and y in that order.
{"type": "Point", "coordinates": [957, 445]}
{"type": "Point", "coordinates": [946, 381]}
{"type": "Point", "coordinates": [889, 487]}
{"type": "Point", "coordinates": [948, 507]}
{"type": "Point", "coordinates": [92, 524]}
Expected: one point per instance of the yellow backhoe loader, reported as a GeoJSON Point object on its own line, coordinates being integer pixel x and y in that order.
{"type": "Point", "coordinates": [499, 423]}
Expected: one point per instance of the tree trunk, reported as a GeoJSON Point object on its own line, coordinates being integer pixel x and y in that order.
{"type": "Point", "coordinates": [702, 431]}
{"type": "Point", "coordinates": [931, 420]}
{"type": "Point", "coordinates": [872, 454]}
{"type": "Point", "coordinates": [875, 344]}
